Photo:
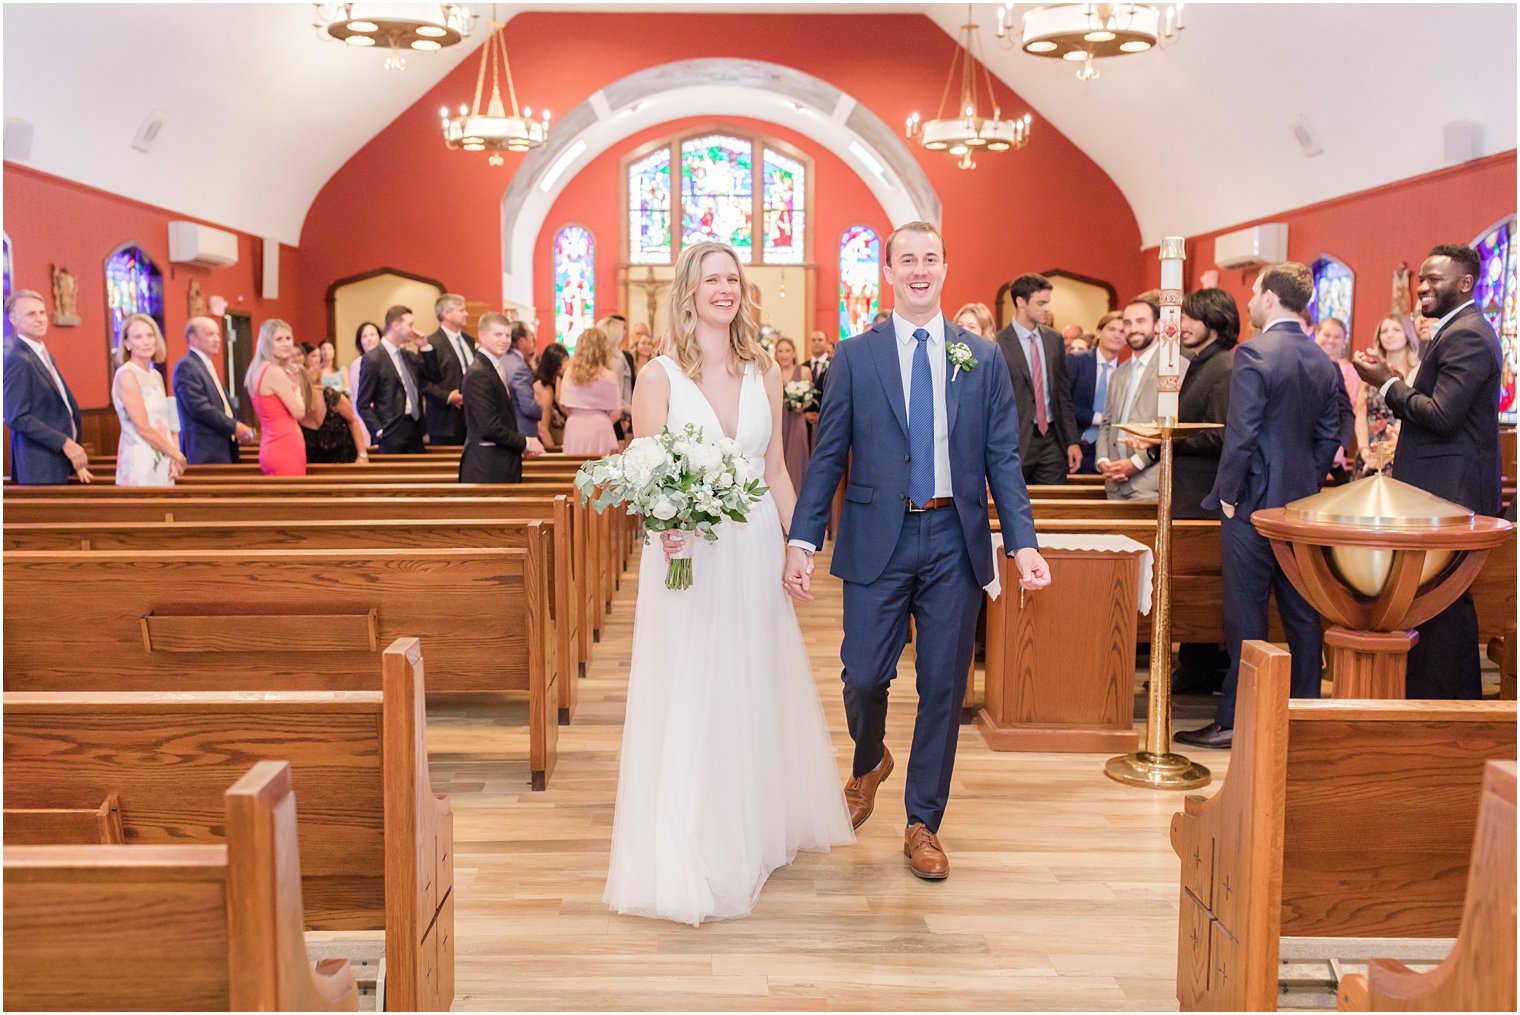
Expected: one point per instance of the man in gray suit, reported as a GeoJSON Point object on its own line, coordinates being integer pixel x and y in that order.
{"type": "Point", "coordinates": [1130, 474]}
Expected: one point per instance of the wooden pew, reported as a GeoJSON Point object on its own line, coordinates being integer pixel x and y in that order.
{"type": "Point", "coordinates": [570, 536]}
{"type": "Point", "coordinates": [171, 927]}
{"type": "Point", "coordinates": [376, 844]}
{"type": "Point", "coordinates": [1479, 975]}
{"type": "Point", "coordinates": [287, 620]}
{"type": "Point", "coordinates": [150, 539]}
{"type": "Point", "coordinates": [66, 826]}
{"type": "Point", "coordinates": [1339, 819]}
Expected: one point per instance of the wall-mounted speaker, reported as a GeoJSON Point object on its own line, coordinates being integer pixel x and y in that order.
{"type": "Point", "coordinates": [148, 133]}
{"type": "Point", "coordinates": [1308, 141]}
{"type": "Point", "coordinates": [1463, 141]}
{"type": "Point", "coordinates": [18, 139]}
{"type": "Point", "coordinates": [269, 281]}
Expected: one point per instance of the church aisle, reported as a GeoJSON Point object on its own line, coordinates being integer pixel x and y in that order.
{"type": "Point", "coordinates": [1062, 894]}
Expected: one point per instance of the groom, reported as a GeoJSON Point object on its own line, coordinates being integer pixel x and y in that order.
{"type": "Point", "coordinates": [923, 441]}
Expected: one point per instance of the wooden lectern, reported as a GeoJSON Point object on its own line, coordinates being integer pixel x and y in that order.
{"type": "Point", "coordinates": [1061, 663]}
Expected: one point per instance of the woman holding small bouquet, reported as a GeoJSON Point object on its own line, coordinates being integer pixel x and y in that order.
{"type": "Point", "coordinates": [727, 768]}
{"type": "Point", "coordinates": [798, 397]}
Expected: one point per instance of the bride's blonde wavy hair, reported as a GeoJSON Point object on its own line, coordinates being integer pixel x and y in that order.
{"type": "Point", "coordinates": [743, 334]}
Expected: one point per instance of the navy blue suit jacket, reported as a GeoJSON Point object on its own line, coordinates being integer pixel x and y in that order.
{"type": "Point", "coordinates": [1448, 420]}
{"type": "Point", "coordinates": [40, 420]}
{"type": "Point", "coordinates": [864, 420]}
{"type": "Point", "coordinates": [206, 431]}
{"type": "Point", "coordinates": [1289, 414]}
{"type": "Point", "coordinates": [1082, 380]}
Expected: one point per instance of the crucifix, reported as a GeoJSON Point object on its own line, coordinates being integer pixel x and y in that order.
{"type": "Point", "coordinates": [651, 287]}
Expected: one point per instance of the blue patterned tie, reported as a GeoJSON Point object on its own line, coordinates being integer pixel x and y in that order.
{"type": "Point", "coordinates": [921, 424]}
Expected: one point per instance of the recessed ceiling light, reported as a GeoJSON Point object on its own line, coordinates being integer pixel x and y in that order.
{"type": "Point", "coordinates": [1075, 55]}
{"type": "Point", "coordinates": [363, 26]}
{"type": "Point", "coordinates": [1103, 36]}
{"type": "Point", "coordinates": [426, 45]}
{"type": "Point", "coordinates": [1044, 46]}
{"type": "Point", "coordinates": [1134, 46]}
{"type": "Point", "coordinates": [431, 32]}
{"type": "Point", "coordinates": [359, 40]}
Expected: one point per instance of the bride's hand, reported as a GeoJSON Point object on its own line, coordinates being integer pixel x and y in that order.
{"type": "Point", "coordinates": [672, 543]}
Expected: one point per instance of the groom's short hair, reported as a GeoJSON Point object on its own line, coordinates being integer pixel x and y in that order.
{"type": "Point", "coordinates": [915, 227]}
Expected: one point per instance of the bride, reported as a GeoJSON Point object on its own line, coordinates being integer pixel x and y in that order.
{"type": "Point", "coordinates": [727, 768]}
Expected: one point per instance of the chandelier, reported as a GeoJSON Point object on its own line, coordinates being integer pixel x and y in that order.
{"type": "Point", "coordinates": [1082, 33]}
{"type": "Point", "coordinates": [494, 129]}
{"type": "Point", "coordinates": [967, 131]}
{"type": "Point", "coordinates": [425, 28]}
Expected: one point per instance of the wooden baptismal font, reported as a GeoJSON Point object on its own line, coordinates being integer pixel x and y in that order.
{"type": "Point", "coordinates": [1376, 558]}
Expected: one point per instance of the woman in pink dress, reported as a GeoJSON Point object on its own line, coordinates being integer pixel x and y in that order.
{"type": "Point", "coordinates": [275, 391]}
{"type": "Point", "coordinates": [591, 396]}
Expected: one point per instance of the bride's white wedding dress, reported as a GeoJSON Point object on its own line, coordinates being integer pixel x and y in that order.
{"type": "Point", "coordinates": [727, 768]}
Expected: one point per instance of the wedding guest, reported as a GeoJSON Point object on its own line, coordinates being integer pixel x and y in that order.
{"type": "Point", "coordinates": [390, 384]}
{"type": "Point", "coordinates": [273, 386]}
{"type": "Point", "coordinates": [517, 362]}
{"type": "Point", "coordinates": [455, 351]}
{"type": "Point", "coordinates": [39, 407]}
{"type": "Point", "coordinates": [1448, 445]}
{"type": "Point", "coordinates": [1131, 398]}
{"type": "Point", "coordinates": [794, 440]}
{"type": "Point", "coordinates": [331, 376]}
{"type": "Point", "coordinates": [209, 433]}
{"type": "Point", "coordinates": [331, 427]}
{"type": "Point", "coordinates": [1082, 343]}
{"type": "Point", "coordinates": [590, 394]}
{"type": "Point", "coordinates": [616, 327]}
{"type": "Point", "coordinates": [494, 446]}
{"type": "Point", "coordinates": [819, 355]}
{"type": "Point", "coordinates": [1089, 375]}
{"type": "Point", "coordinates": [879, 316]}
{"type": "Point", "coordinates": [1049, 441]}
{"type": "Point", "coordinates": [1375, 422]}
{"type": "Point", "coordinates": [977, 319]}
{"type": "Point", "coordinates": [643, 350]}
{"type": "Point", "coordinates": [148, 453]}
{"type": "Point", "coordinates": [551, 420]}
{"type": "Point", "coordinates": [1070, 334]}
{"type": "Point", "coordinates": [365, 339]}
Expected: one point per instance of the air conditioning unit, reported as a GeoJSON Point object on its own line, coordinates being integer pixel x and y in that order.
{"type": "Point", "coordinates": [193, 243]}
{"type": "Point", "coordinates": [1247, 248]}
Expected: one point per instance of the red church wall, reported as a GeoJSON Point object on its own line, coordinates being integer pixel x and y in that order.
{"type": "Point", "coordinates": [594, 199]}
{"type": "Point", "coordinates": [54, 221]}
{"type": "Point", "coordinates": [1372, 231]}
{"type": "Point", "coordinates": [405, 201]}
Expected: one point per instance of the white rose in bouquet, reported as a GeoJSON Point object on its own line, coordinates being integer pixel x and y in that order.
{"type": "Point", "coordinates": [706, 458]}
{"type": "Point", "coordinates": [729, 447]}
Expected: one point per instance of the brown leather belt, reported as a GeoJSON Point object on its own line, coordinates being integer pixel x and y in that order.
{"type": "Point", "coordinates": [932, 504]}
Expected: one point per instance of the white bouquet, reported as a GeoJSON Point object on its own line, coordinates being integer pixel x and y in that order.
{"type": "Point", "coordinates": [799, 396]}
{"type": "Point", "coordinates": [677, 482]}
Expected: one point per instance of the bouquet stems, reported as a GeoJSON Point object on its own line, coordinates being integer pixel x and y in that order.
{"type": "Point", "coordinates": [678, 574]}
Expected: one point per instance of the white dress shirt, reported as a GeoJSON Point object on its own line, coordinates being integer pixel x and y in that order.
{"type": "Point", "coordinates": [1435, 330]}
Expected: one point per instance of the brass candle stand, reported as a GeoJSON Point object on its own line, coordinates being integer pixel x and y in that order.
{"type": "Point", "coordinates": [1158, 766]}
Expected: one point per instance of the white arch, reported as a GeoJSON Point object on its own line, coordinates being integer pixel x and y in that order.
{"type": "Point", "coordinates": [707, 87]}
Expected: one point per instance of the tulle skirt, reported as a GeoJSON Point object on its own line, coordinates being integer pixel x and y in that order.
{"type": "Point", "coordinates": [727, 767]}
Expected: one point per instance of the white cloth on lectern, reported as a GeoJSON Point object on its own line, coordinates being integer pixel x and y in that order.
{"type": "Point", "coordinates": [1081, 542]}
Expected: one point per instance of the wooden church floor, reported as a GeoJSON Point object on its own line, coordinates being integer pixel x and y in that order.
{"type": "Point", "coordinates": [1062, 893]}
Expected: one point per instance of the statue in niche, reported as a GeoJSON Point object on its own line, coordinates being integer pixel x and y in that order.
{"type": "Point", "coordinates": [1401, 287]}
{"type": "Point", "coordinates": [65, 297]}
{"type": "Point", "coordinates": [195, 300]}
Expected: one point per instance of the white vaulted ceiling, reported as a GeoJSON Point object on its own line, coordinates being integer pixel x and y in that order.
{"type": "Point", "coordinates": [261, 113]}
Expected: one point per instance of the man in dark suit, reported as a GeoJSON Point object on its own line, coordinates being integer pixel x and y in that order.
{"type": "Point", "coordinates": [818, 363]}
{"type": "Point", "coordinates": [39, 407]}
{"type": "Point", "coordinates": [1448, 445]}
{"type": "Point", "coordinates": [209, 433]}
{"type": "Point", "coordinates": [1288, 416]}
{"type": "Point", "coordinates": [456, 350]}
{"type": "Point", "coordinates": [1048, 435]}
{"type": "Point", "coordinates": [518, 364]}
{"type": "Point", "coordinates": [494, 445]}
{"type": "Point", "coordinates": [391, 376]}
{"type": "Point", "coordinates": [1089, 374]}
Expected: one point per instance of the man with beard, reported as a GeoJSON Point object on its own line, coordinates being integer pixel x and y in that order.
{"type": "Point", "coordinates": [1131, 475]}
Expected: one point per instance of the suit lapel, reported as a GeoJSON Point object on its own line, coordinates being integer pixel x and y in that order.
{"type": "Point", "coordinates": [66, 396]}
{"type": "Point", "coordinates": [953, 384]}
{"type": "Point", "coordinates": [883, 341]}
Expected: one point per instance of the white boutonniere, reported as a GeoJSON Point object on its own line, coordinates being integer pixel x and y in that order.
{"type": "Point", "coordinates": [960, 358]}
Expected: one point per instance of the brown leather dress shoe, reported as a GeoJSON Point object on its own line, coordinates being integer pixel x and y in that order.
{"type": "Point", "coordinates": [860, 791]}
{"type": "Point", "coordinates": [926, 858]}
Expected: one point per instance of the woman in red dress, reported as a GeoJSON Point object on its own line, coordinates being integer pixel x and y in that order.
{"type": "Point", "coordinates": [277, 401]}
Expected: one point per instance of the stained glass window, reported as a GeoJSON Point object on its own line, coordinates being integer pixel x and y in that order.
{"type": "Point", "coordinates": [785, 188]}
{"type": "Point", "coordinates": [574, 284]}
{"type": "Point", "coordinates": [717, 187]}
{"type": "Point", "coordinates": [10, 281]}
{"type": "Point", "coordinates": [859, 279]}
{"type": "Point", "coordinates": [134, 285]}
{"type": "Point", "coordinates": [1333, 286]}
{"type": "Point", "coordinates": [1495, 296]}
{"type": "Point", "coordinates": [649, 209]}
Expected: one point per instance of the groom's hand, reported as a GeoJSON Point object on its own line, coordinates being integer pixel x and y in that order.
{"type": "Point", "coordinates": [1034, 573]}
{"type": "Point", "coordinates": [797, 576]}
